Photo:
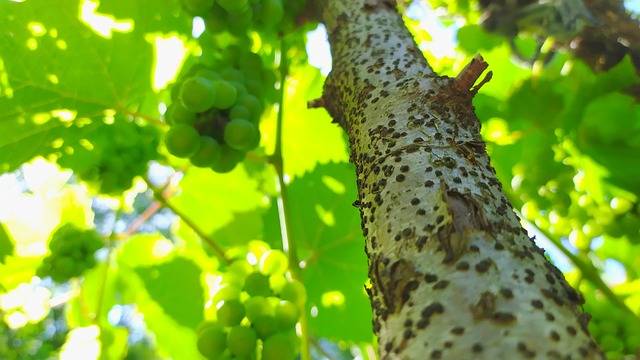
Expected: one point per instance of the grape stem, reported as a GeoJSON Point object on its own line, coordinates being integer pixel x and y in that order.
{"type": "Point", "coordinates": [289, 245]}
{"type": "Point", "coordinates": [159, 196]}
{"type": "Point", "coordinates": [152, 209]}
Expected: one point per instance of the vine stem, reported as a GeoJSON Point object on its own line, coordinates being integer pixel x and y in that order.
{"type": "Point", "coordinates": [159, 196]}
{"type": "Point", "coordinates": [289, 244]}
{"type": "Point", "coordinates": [587, 270]}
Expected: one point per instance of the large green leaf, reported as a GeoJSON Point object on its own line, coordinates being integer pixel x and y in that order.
{"type": "Point", "coordinates": [327, 230]}
{"type": "Point", "coordinates": [211, 200]}
{"type": "Point", "coordinates": [61, 73]}
{"type": "Point", "coordinates": [175, 286]}
{"type": "Point", "coordinates": [173, 339]}
{"type": "Point", "coordinates": [309, 136]}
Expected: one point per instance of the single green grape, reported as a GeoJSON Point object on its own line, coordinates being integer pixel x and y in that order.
{"type": "Point", "coordinates": [230, 312]}
{"type": "Point", "coordinates": [208, 154]}
{"type": "Point", "coordinates": [274, 262]}
{"type": "Point", "coordinates": [197, 94]}
{"type": "Point", "coordinates": [239, 112]}
{"type": "Point", "coordinates": [178, 114]}
{"type": "Point", "coordinates": [234, 6]}
{"type": "Point", "coordinates": [229, 159]}
{"type": "Point", "coordinates": [620, 205]}
{"type": "Point", "coordinates": [240, 134]}
{"type": "Point", "coordinates": [227, 94]}
{"type": "Point", "coordinates": [208, 74]}
{"type": "Point", "coordinates": [182, 140]}
{"type": "Point", "coordinates": [265, 326]}
{"type": "Point", "coordinates": [287, 314]}
{"type": "Point", "coordinates": [231, 74]}
{"type": "Point", "coordinates": [242, 340]}
{"type": "Point", "coordinates": [257, 306]}
{"type": "Point", "coordinates": [257, 284]}
{"type": "Point", "coordinates": [273, 12]}
{"type": "Point", "coordinates": [295, 292]}
{"type": "Point", "coordinates": [212, 340]}
{"type": "Point", "coordinates": [197, 7]}
{"type": "Point", "coordinates": [253, 104]}
{"type": "Point", "coordinates": [278, 347]}
{"type": "Point", "coordinates": [226, 292]}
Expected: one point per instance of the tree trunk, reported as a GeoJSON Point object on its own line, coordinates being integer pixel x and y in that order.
{"type": "Point", "coordinates": [453, 273]}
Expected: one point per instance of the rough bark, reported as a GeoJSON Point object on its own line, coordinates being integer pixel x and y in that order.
{"type": "Point", "coordinates": [454, 275]}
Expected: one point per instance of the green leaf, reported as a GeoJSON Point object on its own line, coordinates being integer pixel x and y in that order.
{"type": "Point", "coordinates": [309, 136]}
{"type": "Point", "coordinates": [210, 199]}
{"type": "Point", "coordinates": [327, 230]}
{"type": "Point", "coordinates": [6, 243]}
{"type": "Point", "coordinates": [173, 339]}
{"type": "Point", "coordinates": [144, 250]}
{"type": "Point", "coordinates": [62, 73]}
{"type": "Point", "coordinates": [472, 39]}
{"type": "Point", "coordinates": [175, 286]}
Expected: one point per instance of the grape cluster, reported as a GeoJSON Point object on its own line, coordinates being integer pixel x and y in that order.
{"type": "Point", "coordinates": [253, 310]}
{"type": "Point", "coordinates": [113, 155]}
{"type": "Point", "coordinates": [72, 252]}
{"type": "Point", "coordinates": [216, 110]}
{"type": "Point", "coordinates": [238, 16]}
{"type": "Point", "coordinates": [576, 213]}
{"type": "Point", "coordinates": [616, 332]}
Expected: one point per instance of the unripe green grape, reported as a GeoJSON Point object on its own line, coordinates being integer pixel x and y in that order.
{"type": "Point", "coordinates": [178, 114]}
{"type": "Point", "coordinates": [229, 159]}
{"type": "Point", "coordinates": [226, 292]}
{"type": "Point", "coordinates": [240, 134]}
{"type": "Point", "coordinates": [295, 292]}
{"type": "Point", "coordinates": [182, 140]}
{"type": "Point", "coordinates": [257, 284]}
{"type": "Point", "coordinates": [257, 306]}
{"type": "Point", "coordinates": [212, 340]}
{"type": "Point", "coordinates": [287, 314]}
{"type": "Point", "coordinates": [239, 112]}
{"type": "Point", "coordinates": [265, 326]}
{"type": "Point", "coordinates": [241, 267]}
{"type": "Point", "coordinates": [277, 282]}
{"type": "Point", "coordinates": [197, 7]}
{"type": "Point", "coordinates": [242, 340]}
{"type": "Point", "coordinates": [241, 89]}
{"type": "Point", "coordinates": [231, 55]}
{"type": "Point", "coordinates": [234, 7]}
{"type": "Point", "coordinates": [278, 347]}
{"type": "Point", "coordinates": [230, 312]}
{"type": "Point", "coordinates": [273, 12]}
{"type": "Point", "coordinates": [226, 94]}
{"type": "Point", "coordinates": [231, 74]}
{"type": "Point", "coordinates": [175, 92]}
{"type": "Point", "coordinates": [620, 205]}
{"type": "Point", "coordinates": [254, 87]}
{"type": "Point", "coordinates": [253, 104]}
{"type": "Point", "coordinates": [273, 262]}
{"type": "Point", "coordinates": [208, 74]}
{"type": "Point", "coordinates": [233, 279]}
{"type": "Point", "coordinates": [611, 342]}
{"type": "Point", "coordinates": [197, 94]}
{"type": "Point", "coordinates": [250, 63]}
{"type": "Point", "coordinates": [208, 154]}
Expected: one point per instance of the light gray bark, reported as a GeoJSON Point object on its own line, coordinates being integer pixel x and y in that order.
{"type": "Point", "coordinates": [454, 275]}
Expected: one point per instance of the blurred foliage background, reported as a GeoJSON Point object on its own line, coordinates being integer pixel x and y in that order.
{"type": "Point", "coordinates": [563, 135]}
